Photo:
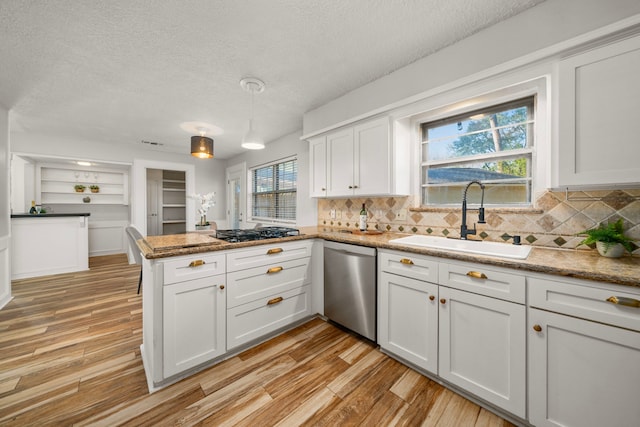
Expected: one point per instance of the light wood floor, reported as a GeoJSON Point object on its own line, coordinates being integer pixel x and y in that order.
{"type": "Point", "coordinates": [69, 355]}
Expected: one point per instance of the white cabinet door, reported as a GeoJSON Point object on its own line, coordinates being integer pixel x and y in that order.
{"type": "Point", "coordinates": [408, 319]}
{"type": "Point", "coordinates": [482, 347]}
{"type": "Point", "coordinates": [599, 100]}
{"type": "Point", "coordinates": [318, 166]}
{"type": "Point", "coordinates": [194, 315]}
{"type": "Point", "coordinates": [582, 373]}
{"type": "Point", "coordinates": [372, 158]}
{"type": "Point", "coordinates": [340, 163]}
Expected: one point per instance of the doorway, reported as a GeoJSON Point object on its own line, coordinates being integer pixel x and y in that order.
{"type": "Point", "coordinates": [139, 192]}
{"type": "Point", "coordinates": [236, 191]}
{"type": "Point", "coordinates": [166, 202]}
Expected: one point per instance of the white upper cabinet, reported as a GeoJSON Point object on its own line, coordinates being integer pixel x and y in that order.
{"type": "Point", "coordinates": [358, 161]}
{"type": "Point", "coordinates": [318, 160]}
{"type": "Point", "coordinates": [598, 105]}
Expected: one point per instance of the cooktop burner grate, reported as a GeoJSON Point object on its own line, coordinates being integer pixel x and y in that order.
{"type": "Point", "coordinates": [260, 233]}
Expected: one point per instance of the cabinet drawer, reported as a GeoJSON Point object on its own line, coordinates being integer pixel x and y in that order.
{"type": "Point", "coordinates": [192, 267]}
{"type": "Point", "coordinates": [268, 254]}
{"type": "Point", "coordinates": [587, 302]}
{"type": "Point", "coordinates": [479, 279]}
{"type": "Point", "coordinates": [408, 265]}
{"type": "Point", "coordinates": [259, 282]}
{"type": "Point", "coordinates": [255, 319]}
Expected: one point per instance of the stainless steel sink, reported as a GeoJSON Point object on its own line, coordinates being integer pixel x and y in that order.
{"type": "Point", "coordinates": [495, 249]}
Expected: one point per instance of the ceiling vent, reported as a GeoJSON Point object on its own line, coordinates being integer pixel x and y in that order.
{"type": "Point", "coordinates": [152, 143]}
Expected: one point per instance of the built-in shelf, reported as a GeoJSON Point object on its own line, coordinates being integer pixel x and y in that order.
{"type": "Point", "coordinates": [56, 185]}
{"type": "Point", "coordinates": [173, 202]}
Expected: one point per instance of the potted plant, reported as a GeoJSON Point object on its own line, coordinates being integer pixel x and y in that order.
{"type": "Point", "coordinates": [79, 188]}
{"type": "Point", "coordinates": [206, 201]}
{"type": "Point", "coordinates": [609, 239]}
{"type": "Point", "coordinates": [94, 188]}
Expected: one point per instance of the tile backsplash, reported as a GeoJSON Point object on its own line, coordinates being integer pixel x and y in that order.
{"type": "Point", "coordinates": [553, 221]}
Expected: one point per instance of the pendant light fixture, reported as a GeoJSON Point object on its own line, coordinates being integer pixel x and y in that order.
{"type": "Point", "coordinates": [201, 146]}
{"type": "Point", "coordinates": [251, 140]}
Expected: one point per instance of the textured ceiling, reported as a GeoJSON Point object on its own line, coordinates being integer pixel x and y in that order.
{"type": "Point", "coordinates": [122, 71]}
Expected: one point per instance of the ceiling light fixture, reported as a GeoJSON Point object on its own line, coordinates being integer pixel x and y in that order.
{"type": "Point", "coordinates": [201, 146]}
{"type": "Point", "coordinates": [251, 140]}
{"type": "Point", "coordinates": [83, 163]}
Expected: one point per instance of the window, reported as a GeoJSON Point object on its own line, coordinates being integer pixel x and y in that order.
{"type": "Point", "coordinates": [493, 145]}
{"type": "Point", "coordinates": [273, 191]}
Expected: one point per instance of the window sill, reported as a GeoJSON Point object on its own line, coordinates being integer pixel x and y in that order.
{"type": "Point", "coordinates": [497, 209]}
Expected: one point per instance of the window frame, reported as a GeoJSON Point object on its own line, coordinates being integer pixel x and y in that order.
{"type": "Point", "coordinates": [251, 193]}
{"type": "Point", "coordinates": [490, 103]}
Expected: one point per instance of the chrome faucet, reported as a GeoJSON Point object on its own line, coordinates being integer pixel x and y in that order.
{"type": "Point", "coordinates": [464, 231]}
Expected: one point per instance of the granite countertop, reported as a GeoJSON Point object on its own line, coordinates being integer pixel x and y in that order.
{"type": "Point", "coordinates": [49, 215]}
{"type": "Point", "coordinates": [580, 264]}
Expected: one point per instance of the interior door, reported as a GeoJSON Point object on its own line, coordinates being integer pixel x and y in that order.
{"type": "Point", "coordinates": [154, 202]}
{"type": "Point", "coordinates": [236, 196]}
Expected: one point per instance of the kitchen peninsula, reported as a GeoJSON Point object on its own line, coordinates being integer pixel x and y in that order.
{"type": "Point", "coordinates": [49, 243]}
{"type": "Point", "coordinates": [205, 300]}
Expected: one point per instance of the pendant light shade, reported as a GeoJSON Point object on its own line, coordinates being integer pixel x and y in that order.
{"type": "Point", "coordinates": [251, 140]}
{"type": "Point", "coordinates": [202, 147]}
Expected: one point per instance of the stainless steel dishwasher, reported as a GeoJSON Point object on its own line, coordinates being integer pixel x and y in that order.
{"type": "Point", "coordinates": [350, 287]}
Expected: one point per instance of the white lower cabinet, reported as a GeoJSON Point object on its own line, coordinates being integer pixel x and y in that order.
{"type": "Point", "coordinates": [473, 340]}
{"type": "Point", "coordinates": [268, 289]}
{"type": "Point", "coordinates": [193, 323]}
{"type": "Point", "coordinates": [408, 319]}
{"type": "Point", "coordinates": [482, 347]}
{"type": "Point", "coordinates": [583, 373]}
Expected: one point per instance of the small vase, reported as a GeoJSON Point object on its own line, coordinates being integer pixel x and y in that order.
{"type": "Point", "coordinates": [610, 250]}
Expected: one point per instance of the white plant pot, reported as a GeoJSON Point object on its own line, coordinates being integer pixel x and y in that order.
{"type": "Point", "coordinates": [615, 250]}
{"type": "Point", "coordinates": [203, 227]}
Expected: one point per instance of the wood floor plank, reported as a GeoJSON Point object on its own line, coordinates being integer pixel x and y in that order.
{"type": "Point", "coordinates": [70, 356]}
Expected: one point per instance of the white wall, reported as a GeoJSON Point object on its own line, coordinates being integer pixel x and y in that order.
{"type": "Point", "coordinates": [5, 222]}
{"type": "Point", "coordinates": [548, 23]}
{"type": "Point", "coordinates": [287, 146]}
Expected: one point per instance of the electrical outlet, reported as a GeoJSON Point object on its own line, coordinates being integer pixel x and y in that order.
{"type": "Point", "coordinates": [332, 213]}
{"type": "Point", "coordinates": [401, 215]}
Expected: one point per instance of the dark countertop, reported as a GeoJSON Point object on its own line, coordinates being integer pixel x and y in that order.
{"type": "Point", "coordinates": [581, 264]}
{"type": "Point", "coordinates": [48, 215]}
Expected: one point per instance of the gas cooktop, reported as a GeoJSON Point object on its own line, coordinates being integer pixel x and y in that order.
{"type": "Point", "coordinates": [259, 233]}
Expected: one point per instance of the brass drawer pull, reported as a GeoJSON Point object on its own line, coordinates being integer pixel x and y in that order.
{"type": "Point", "coordinates": [274, 300]}
{"type": "Point", "coordinates": [221, 287]}
{"type": "Point", "coordinates": [627, 302]}
{"type": "Point", "coordinates": [274, 251]}
{"type": "Point", "coordinates": [406, 261]}
{"type": "Point", "coordinates": [443, 301]}
{"type": "Point", "coordinates": [196, 263]}
{"type": "Point", "coordinates": [274, 270]}
{"type": "Point", "coordinates": [537, 328]}
{"type": "Point", "coordinates": [432, 297]}
{"type": "Point", "coordinates": [477, 275]}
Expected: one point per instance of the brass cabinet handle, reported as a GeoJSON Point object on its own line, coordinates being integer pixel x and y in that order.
{"type": "Point", "coordinates": [406, 261]}
{"type": "Point", "coordinates": [432, 297]}
{"type": "Point", "coordinates": [476, 274]}
{"type": "Point", "coordinates": [221, 287]}
{"type": "Point", "coordinates": [274, 251]}
{"type": "Point", "coordinates": [442, 300]}
{"type": "Point", "coordinates": [350, 187]}
{"type": "Point", "coordinates": [355, 186]}
{"type": "Point", "coordinates": [274, 300]}
{"type": "Point", "coordinates": [196, 263]}
{"type": "Point", "coordinates": [537, 328]}
{"type": "Point", "coordinates": [323, 189]}
{"type": "Point", "coordinates": [274, 270]}
{"type": "Point", "coordinates": [627, 302]}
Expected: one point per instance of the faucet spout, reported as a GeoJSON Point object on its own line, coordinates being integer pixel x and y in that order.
{"type": "Point", "coordinates": [464, 230]}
